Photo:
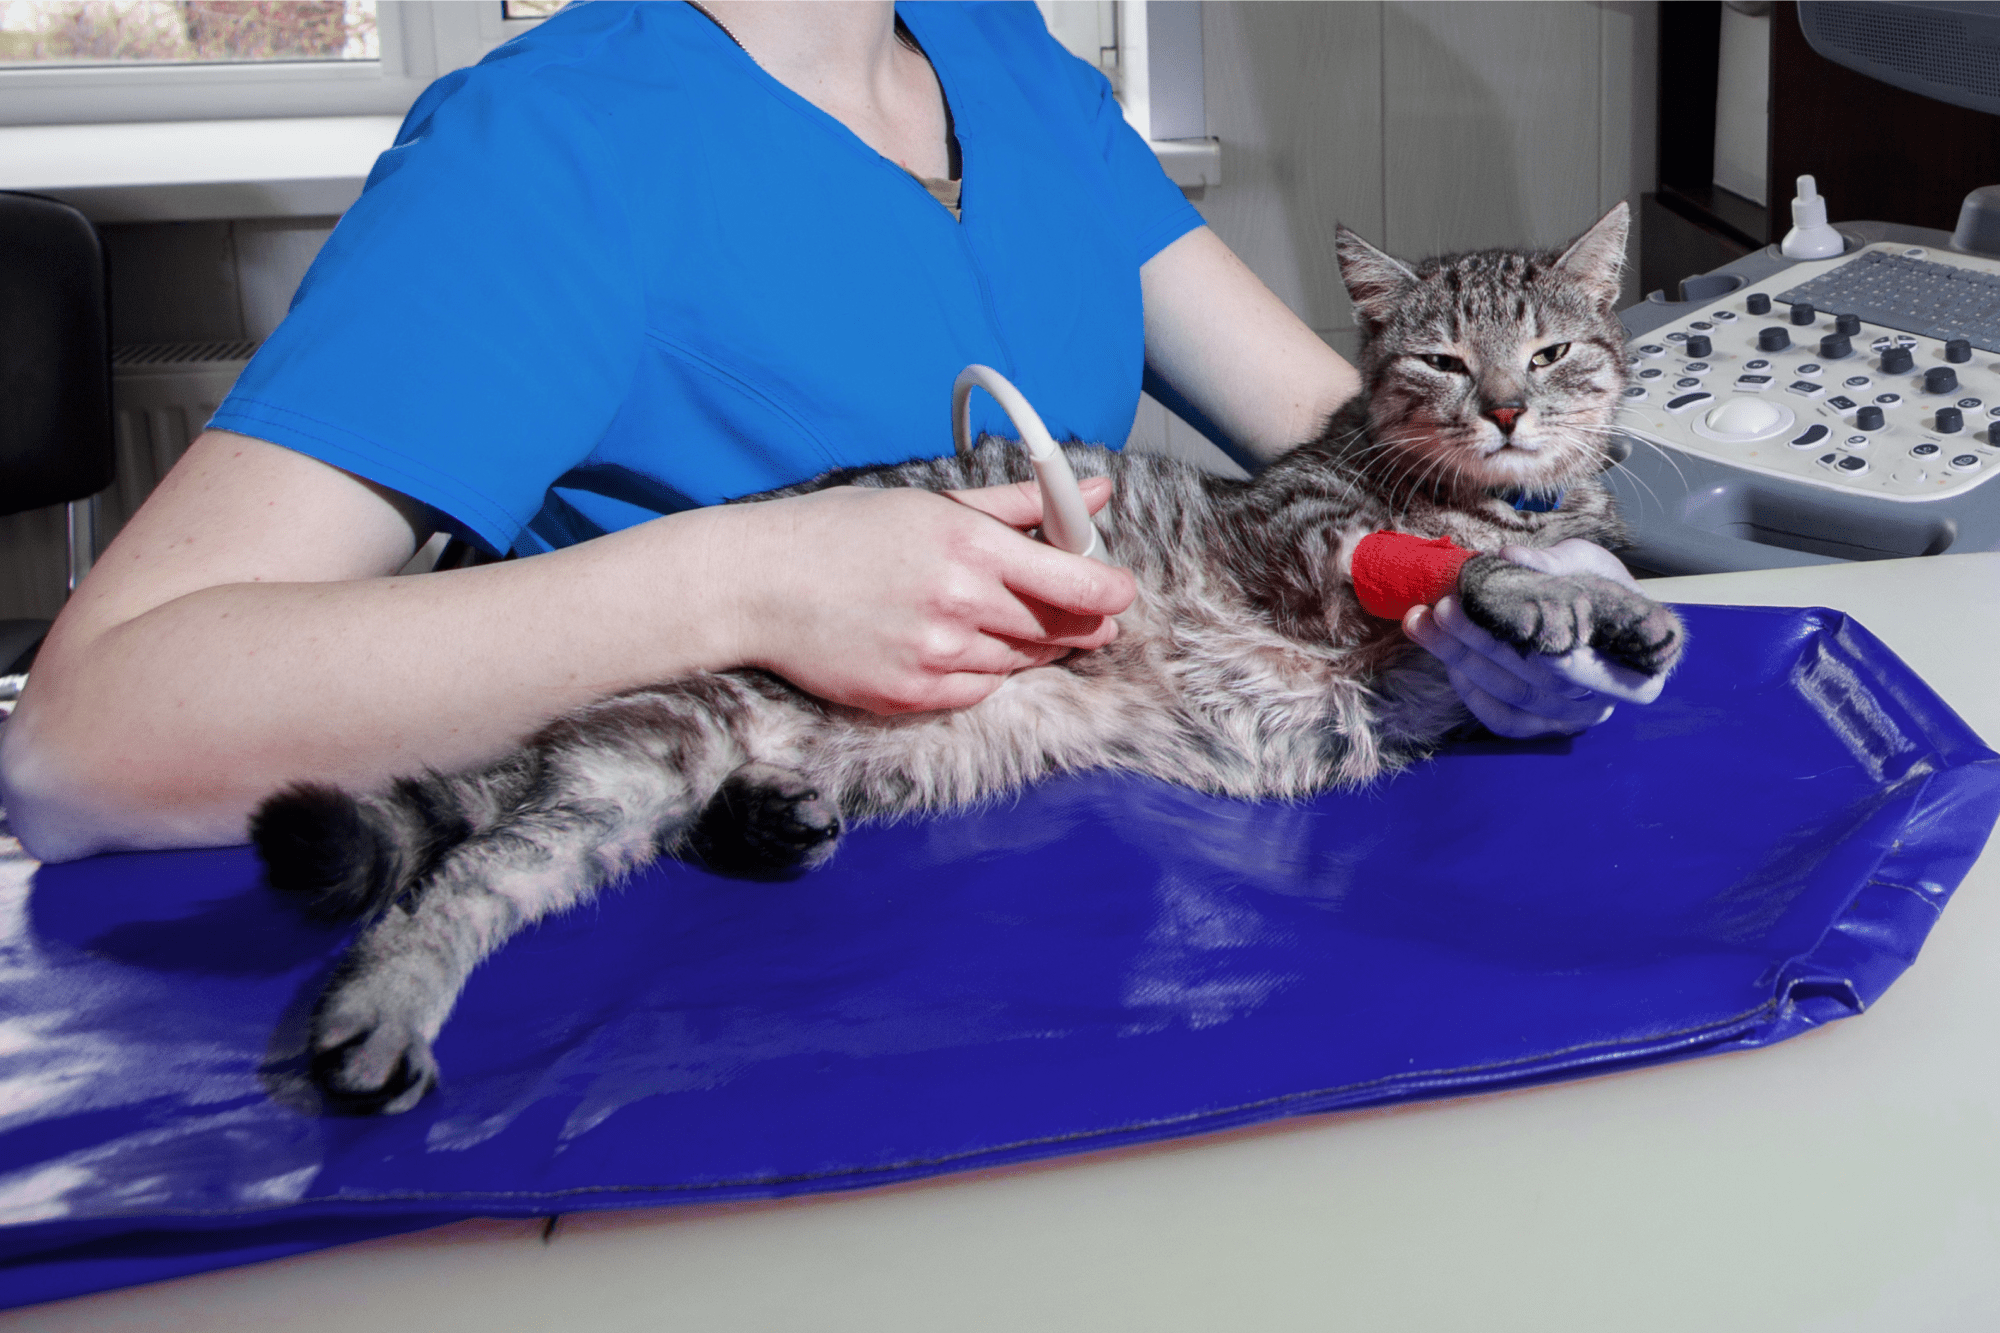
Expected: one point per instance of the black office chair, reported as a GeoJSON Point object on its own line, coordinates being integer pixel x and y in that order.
{"type": "Point", "coordinates": [56, 442]}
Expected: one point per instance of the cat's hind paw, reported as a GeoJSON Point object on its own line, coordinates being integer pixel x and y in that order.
{"type": "Point", "coordinates": [367, 1058]}
{"type": "Point", "coordinates": [766, 822]}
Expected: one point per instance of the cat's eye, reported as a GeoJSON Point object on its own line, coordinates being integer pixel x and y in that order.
{"type": "Point", "coordinates": [1548, 356]}
{"type": "Point", "coordinates": [1439, 361]}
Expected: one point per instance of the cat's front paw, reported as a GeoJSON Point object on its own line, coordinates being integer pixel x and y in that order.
{"type": "Point", "coordinates": [368, 1053]}
{"type": "Point", "coordinates": [765, 823]}
{"type": "Point", "coordinates": [1556, 614]}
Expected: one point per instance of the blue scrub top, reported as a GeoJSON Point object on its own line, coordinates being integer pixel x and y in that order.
{"type": "Point", "coordinates": [617, 270]}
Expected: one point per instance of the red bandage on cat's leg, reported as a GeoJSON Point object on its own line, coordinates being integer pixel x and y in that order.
{"type": "Point", "coordinates": [1394, 571]}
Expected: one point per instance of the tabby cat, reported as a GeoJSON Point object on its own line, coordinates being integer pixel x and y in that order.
{"type": "Point", "coordinates": [1245, 666]}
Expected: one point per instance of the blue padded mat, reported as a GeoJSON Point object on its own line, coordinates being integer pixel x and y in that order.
{"type": "Point", "coordinates": [1101, 961]}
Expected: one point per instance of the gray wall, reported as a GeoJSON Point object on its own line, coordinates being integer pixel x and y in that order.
{"type": "Point", "coordinates": [1425, 126]}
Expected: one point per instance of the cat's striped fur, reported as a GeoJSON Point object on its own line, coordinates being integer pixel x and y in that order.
{"type": "Point", "coordinates": [1245, 666]}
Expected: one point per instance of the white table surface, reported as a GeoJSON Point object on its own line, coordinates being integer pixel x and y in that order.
{"type": "Point", "coordinates": [1846, 1180]}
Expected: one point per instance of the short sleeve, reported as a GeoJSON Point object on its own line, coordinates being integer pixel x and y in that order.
{"type": "Point", "coordinates": [1156, 212]}
{"type": "Point", "coordinates": [472, 326]}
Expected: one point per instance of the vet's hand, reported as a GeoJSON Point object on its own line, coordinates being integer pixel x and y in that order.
{"type": "Point", "coordinates": [904, 601]}
{"type": "Point", "coordinates": [1521, 695]}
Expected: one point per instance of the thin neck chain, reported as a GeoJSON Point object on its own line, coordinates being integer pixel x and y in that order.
{"type": "Point", "coordinates": [703, 10]}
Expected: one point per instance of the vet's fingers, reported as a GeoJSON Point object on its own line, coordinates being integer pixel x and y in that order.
{"type": "Point", "coordinates": [1068, 583]}
{"type": "Point", "coordinates": [1509, 688]}
{"type": "Point", "coordinates": [1587, 669]}
{"type": "Point", "coordinates": [1574, 556]}
{"type": "Point", "coordinates": [1019, 505]}
{"type": "Point", "coordinates": [1516, 723]}
{"type": "Point", "coordinates": [1535, 671]}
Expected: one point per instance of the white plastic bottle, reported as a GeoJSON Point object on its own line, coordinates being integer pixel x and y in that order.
{"type": "Point", "coordinates": [1810, 236]}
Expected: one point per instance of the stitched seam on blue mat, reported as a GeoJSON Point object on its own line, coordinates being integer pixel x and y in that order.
{"type": "Point", "coordinates": [1665, 1044]}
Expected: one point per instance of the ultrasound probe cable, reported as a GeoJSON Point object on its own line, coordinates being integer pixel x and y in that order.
{"type": "Point", "coordinates": [1065, 521]}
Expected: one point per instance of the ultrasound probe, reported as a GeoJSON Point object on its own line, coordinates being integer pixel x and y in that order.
{"type": "Point", "coordinates": [1065, 521]}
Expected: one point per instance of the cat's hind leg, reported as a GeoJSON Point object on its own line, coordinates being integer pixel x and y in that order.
{"type": "Point", "coordinates": [612, 786]}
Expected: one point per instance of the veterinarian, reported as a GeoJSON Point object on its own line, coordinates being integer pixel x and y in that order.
{"type": "Point", "coordinates": [644, 259]}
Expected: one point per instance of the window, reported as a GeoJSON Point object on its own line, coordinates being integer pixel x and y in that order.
{"type": "Point", "coordinates": [96, 61]}
{"type": "Point", "coordinates": [86, 33]}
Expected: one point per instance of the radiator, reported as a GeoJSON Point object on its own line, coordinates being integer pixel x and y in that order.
{"type": "Point", "coordinates": [161, 396]}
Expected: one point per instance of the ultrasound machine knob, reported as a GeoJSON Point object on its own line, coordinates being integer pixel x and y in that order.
{"type": "Point", "coordinates": [1993, 433]}
{"type": "Point", "coordinates": [1958, 351]}
{"type": "Point", "coordinates": [1758, 303]}
{"type": "Point", "coordinates": [1698, 346]}
{"type": "Point", "coordinates": [1940, 379]}
{"type": "Point", "coordinates": [1773, 340]}
{"type": "Point", "coordinates": [1847, 324]}
{"type": "Point", "coordinates": [1868, 418]}
{"type": "Point", "coordinates": [1802, 313]}
{"type": "Point", "coordinates": [1834, 346]}
{"type": "Point", "coordinates": [1897, 361]}
{"type": "Point", "coordinates": [1950, 421]}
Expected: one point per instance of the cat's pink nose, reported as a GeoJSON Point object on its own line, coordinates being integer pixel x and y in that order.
{"type": "Point", "coordinates": [1505, 415]}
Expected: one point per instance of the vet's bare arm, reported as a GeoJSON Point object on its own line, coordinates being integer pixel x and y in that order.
{"type": "Point", "coordinates": [1237, 353]}
{"type": "Point", "coordinates": [242, 632]}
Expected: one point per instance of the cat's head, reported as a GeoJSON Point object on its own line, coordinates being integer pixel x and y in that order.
{"type": "Point", "coordinates": [1495, 369]}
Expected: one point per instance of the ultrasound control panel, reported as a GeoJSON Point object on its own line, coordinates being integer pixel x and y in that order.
{"type": "Point", "coordinates": [1875, 373]}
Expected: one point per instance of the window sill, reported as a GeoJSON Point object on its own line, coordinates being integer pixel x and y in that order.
{"type": "Point", "coordinates": [194, 170]}
{"type": "Point", "coordinates": [188, 171]}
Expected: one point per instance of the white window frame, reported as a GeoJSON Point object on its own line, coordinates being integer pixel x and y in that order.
{"type": "Point", "coordinates": [419, 40]}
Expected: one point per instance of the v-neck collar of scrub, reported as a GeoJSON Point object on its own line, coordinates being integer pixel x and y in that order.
{"type": "Point", "coordinates": [954, 111]}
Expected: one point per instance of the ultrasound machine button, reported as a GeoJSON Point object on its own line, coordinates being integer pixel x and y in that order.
{"type": "Point", "coordinates": [1759, 364]}
{"type": "Point", "coordinates": [1687, 402]}
{"type": "Point", "coordinates": [1888, 399]}
{"type": "Point", "coordinates": [1968, 403]}
{"type": "Point", "coordinates": [1651, 373]}
{"type": "Point", "coordinates": [1812, 368]}
{"type": "Point", "coordinates": [1897, 361]}
{"type": "Point", "coordinates": [1701, 326]}
{"type": "Point", "coordinates": [1677, 337]}
{"type": "Point", "coordinates": [1773, 339]}
{"type": "Point", "coordinates": [1803, 313]}
{"type": "Point", "coordinates": [1915, 252]}
{"type": "Point", "coordinates": [1965, 463]}
{"type": "Point", "coordinates": [1940, 379]}
{"type": "Point", "coordinates": [1752, 383]}
{"type": "Point", "coordinates": [1857, 381]}
{"type": "Point", "coordinates": [1827, 460]}
{"type": "Point", "coordinates": [1757, 303]}
{"type": "Point", "coordinates": [1950, 421]}
{"type": "Point", "coordinates": [1847, 324]}
{"type": "Point", "coordinates": [1687, 382]}
{"type": "Point", "coordinates": [1925, 450]}
{"type": "Point", "coordinates": [1834, 346]}
{"type": "Point", "coordinates": [1958, 351]}
{"type": "Point", "coordinates": [1729, 316]}
{"type": "Point", "coordinates": [1697, 367]}
{"type": "Point", "coordinates": [1698, 345]}
{"type": "Point", "coordinates": [1635, 391]}
{"type": "Point", "coordinates": [1840, 402]}
{"type": "Point", "coordinates": [1852, 466]}
{"type": "Point", "coordinates": [1813, 435]}
{"type": "Point", "coordinates": [1652, 349]}
{"type": "Point", "coordinates": [1805, 388]}
{"type": "Point", "coordinates": [1868, 418]}
{"type": "Point", "coordinates": [1909, 476]}
{"type": "Point", "coordinates": [1745, 418]}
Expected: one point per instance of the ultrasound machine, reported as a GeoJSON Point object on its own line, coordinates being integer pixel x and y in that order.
{"type": "Point", "coordinates": [1796, 410]}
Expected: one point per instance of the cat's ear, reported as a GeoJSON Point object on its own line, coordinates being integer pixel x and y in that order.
{"type": "Point", "coordinates": [1597, 258]}
{"type": "Point", "coordinates": [1374, 280]}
